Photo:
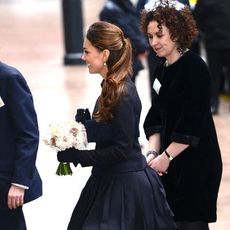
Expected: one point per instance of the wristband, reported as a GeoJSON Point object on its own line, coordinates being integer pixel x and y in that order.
{"type": "Point", "coordinates": [155, 154]}
{"type": "Point", "coordinates": [168, 155]}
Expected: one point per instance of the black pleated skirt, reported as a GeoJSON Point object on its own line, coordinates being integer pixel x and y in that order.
{"type": "Point", "coordinates": [125, 196]}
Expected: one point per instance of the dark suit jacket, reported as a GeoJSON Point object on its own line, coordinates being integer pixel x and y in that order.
{"type": "Point", "coordinates": [19, 135]}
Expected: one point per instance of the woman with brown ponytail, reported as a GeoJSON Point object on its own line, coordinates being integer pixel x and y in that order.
{"type": "Point", "coordinates": [122, 193]}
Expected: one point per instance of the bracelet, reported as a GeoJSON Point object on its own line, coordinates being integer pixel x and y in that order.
{"type": "Point", "coordinates": [155, 154]}
{"type": "Point", "coordinates": [168, 155]}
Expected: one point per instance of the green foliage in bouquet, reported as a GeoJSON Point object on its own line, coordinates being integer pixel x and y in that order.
{"type": "Point", "coordinates": [66, 135]}
{"type": "Point", "coordinates": [64, 169]}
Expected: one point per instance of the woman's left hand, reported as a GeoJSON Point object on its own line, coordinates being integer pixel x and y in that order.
{"type": "Point", "coordinates": [160, 164]}
{"type": "Point", "coordinates": [68, 155]}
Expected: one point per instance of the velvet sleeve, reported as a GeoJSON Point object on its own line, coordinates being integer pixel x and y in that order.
{"type": "Point", "coordinates": [152, 123]}
{"type": "Point", "coordinates": [195, 108]}
{"type": "Point", "coordinates": [153, 120]}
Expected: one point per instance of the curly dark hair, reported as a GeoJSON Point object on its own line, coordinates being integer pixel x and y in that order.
{"type": "Point", "coordinates": [181, 24]}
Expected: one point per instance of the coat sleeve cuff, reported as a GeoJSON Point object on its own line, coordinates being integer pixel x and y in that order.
{"type": "Point", "coordinates": [185, 139]}
{"type": "Point", "coordinates": [149, 131]}
{"type": "Point", "coordinates": [20, 186]}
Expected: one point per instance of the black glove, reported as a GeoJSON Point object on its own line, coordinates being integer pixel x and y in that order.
{"type": "Point", "coordinates": [82, 115]}
{"type": "Point", "coordinates": [68, 155]}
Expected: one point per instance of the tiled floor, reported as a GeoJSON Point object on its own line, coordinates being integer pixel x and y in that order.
{"type": "Point", "coordinates": [31, 39]}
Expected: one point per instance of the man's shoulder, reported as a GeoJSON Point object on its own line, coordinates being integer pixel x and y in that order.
{"type": "Point", "coordinates": [8, 71]}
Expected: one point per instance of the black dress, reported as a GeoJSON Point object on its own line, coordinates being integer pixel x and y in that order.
{"type": "Point", "coordinates": [181, 113]}
{"type": "Point", "coordinates": [122, 193]}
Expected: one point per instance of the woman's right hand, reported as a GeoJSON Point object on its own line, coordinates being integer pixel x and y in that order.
{"type": "Point", "coordinates": [82, 115]}
{"type": "Point", "coordinates": [160, 163]}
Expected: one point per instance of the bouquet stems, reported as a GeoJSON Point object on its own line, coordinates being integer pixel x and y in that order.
{"type": "Point", "coordinates": [64, 169]}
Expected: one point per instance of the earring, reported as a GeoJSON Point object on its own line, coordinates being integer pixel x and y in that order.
{"type": "Point", "coordinates": [104, 63]}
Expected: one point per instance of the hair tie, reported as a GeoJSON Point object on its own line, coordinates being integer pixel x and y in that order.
{"type": "Point", "coordinates": [123, 40]}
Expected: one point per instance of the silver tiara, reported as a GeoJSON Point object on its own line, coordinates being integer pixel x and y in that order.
{"type": "Point", "coordinates": [153, 4]}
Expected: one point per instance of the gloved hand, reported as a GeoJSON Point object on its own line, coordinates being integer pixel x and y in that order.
{"type": "Point", "coordinates": [82, 115]}
{"type": "Point", "coordinates": [68, 155]}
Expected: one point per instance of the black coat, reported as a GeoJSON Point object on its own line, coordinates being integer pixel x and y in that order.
{"type": "Point", "coordinates": [122, 14]}
{"type": "Point", "coordinates": [213, 20]}
{"type": "Point", "coordinates": [116, 140]}
{"type": "Point", "coordinates": [181, 113]}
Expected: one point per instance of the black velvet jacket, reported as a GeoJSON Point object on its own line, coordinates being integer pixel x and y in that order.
{"type": "Point", "coordinates": [181, 113]}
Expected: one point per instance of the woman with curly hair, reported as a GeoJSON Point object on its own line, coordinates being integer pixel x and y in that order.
{"type": "Point", "coordinates": [183, 145]}
{"type": "Point", "coordinates": [122, 193]}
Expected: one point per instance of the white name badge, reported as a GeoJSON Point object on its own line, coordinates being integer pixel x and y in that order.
{"type": "Point", "coordinates": [1, 102]}
{"type": "Point", "coordinates": [156, 85]}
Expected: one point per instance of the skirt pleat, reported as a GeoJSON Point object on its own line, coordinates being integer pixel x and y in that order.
{"type": "Point", "coordinates": [123, 201]}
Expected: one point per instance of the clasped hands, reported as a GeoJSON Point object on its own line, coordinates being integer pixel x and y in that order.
{"type": "Point", "coordinates": [160, 163]}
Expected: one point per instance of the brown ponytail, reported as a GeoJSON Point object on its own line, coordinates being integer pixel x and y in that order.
{"type": "Point", "coordinates": [105, 35]}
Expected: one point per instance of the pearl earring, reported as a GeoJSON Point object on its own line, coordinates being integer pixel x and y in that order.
{"type": "Point", "coordinates": [104, 63]}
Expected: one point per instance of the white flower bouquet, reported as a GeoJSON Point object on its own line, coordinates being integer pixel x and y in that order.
{"type": "Point", "coordinates": [66, 135]}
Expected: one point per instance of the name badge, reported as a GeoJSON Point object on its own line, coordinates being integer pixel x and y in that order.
{"type": "Point", "coordinates": [1, 102]}
{"type": "Point", "coordinates": [156, 85]}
